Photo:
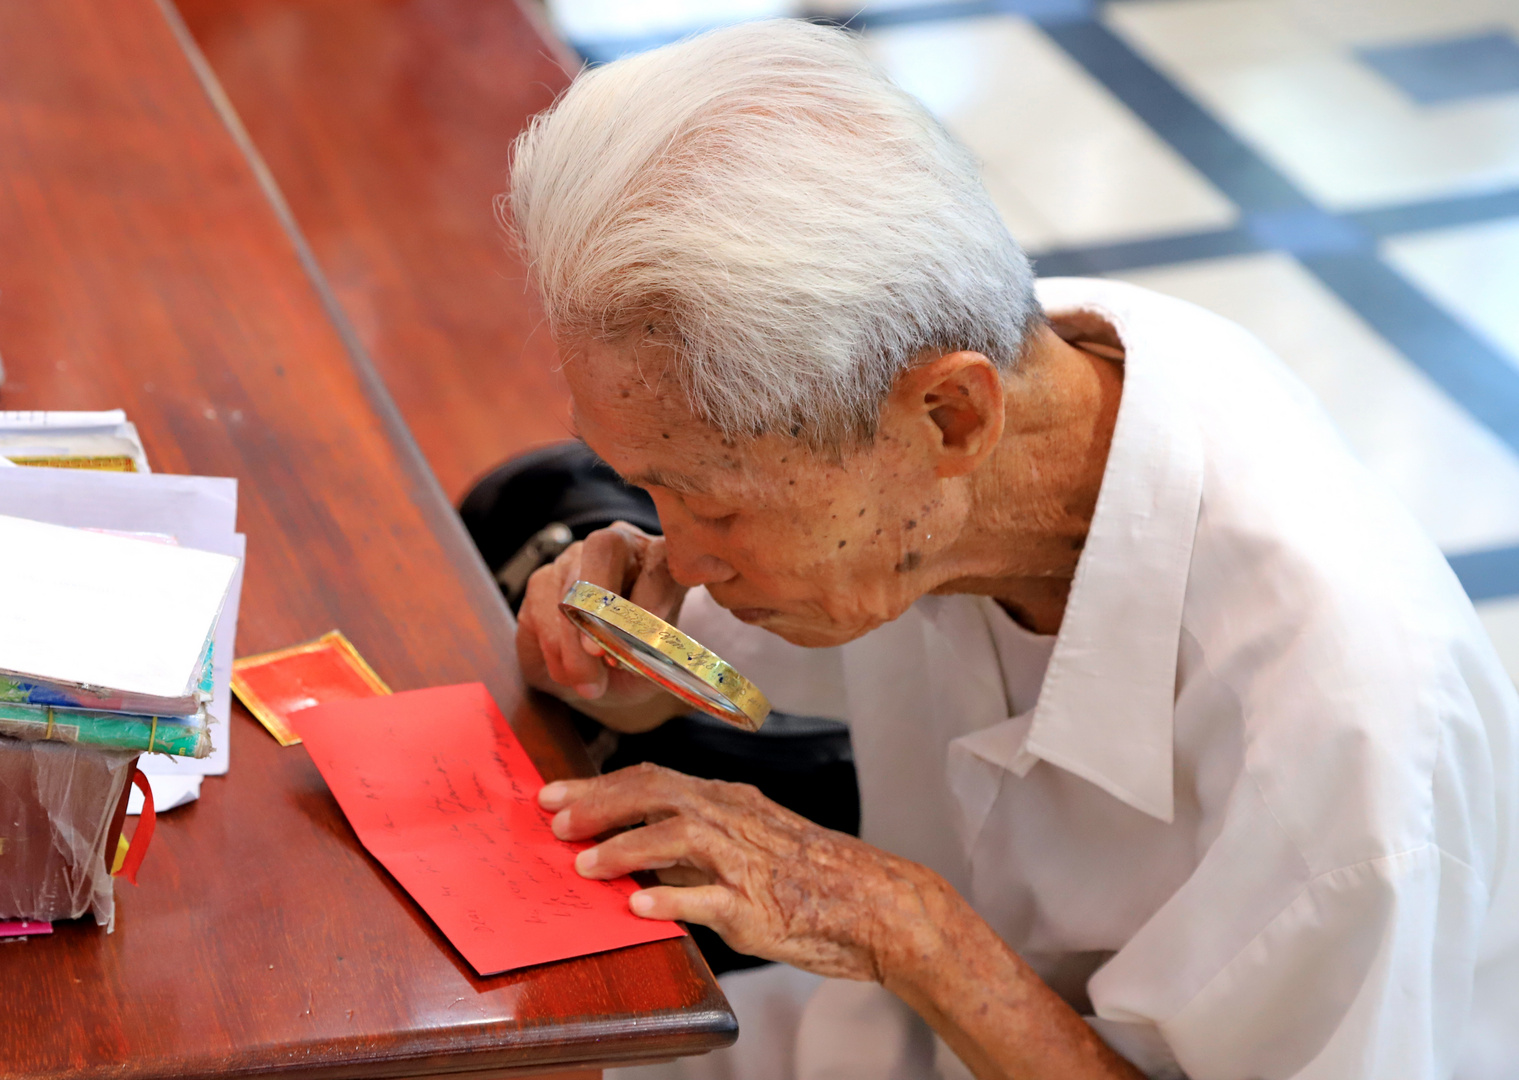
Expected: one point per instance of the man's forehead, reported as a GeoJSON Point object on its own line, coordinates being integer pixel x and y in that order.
{"type": "Point", "coordinates": [640, 424]}
{"type": "Point", "coordinates": [608, 387]}
{"type": "Point", "coordinates": [646, 451]}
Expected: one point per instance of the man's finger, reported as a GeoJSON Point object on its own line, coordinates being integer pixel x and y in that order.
{"type": "Point", "coordinates": [570, 667]}
{"type": "Point", "coordinates": [684, 876]}
{"type": "Point", "coordinates": [627, 797]}
{"type": "Point", "coordinates": [655, 590]}
{"type": "Point", "coordinates": [672, 842]}
{"type": "Point", "coordinates": [540, 638]}
{"type": "Point", "coordinates": [611, 557]}
{"type": "Point", "coordinates": [560, 793]}
{"type": "Point", "coordinates": [569, 662]}
{"type": "Point", "coordinates": [708, 905]}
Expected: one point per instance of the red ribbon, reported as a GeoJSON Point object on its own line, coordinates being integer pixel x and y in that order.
{"type": "Point", "coordinates": [142, 836]}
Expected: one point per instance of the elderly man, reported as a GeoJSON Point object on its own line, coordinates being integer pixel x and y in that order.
{"type": "Point", "coordinates": [1180, 749]}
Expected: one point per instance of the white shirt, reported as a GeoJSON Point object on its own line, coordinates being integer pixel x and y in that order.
{"type": "Point", "coordinates": [1258, 816]}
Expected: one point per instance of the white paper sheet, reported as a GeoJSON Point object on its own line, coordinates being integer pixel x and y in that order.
{"type": "Point", "coordinates": [168, 791]}
{"type": "Point", "coordinates": [190, 508]}
{"type": "Point", "coordinates": [35, 434]}
{"type": "Point", "coordinates": [91, 609]}
{"type": "Point", "coordinates": [220, 709]}
{"type": "Point", "coordinates": [19, 419]}
{"type": "Point", "coordinates": [200, 511]}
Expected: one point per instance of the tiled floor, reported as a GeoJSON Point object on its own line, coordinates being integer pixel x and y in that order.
{"type": "Point", "coordinates": [1340, 176]}
{"type": "Point", "coordinates": [1473, 270]}
{"type": "Point", "coordinates": [1399, 423]}
{"type": "Point", "coordinates": [1046, 132]}
{"type": "Point", "coordinates": [1291, 83]}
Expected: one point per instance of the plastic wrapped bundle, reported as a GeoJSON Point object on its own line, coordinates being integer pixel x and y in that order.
{"type": "Point", "coordinates": [60, 805]}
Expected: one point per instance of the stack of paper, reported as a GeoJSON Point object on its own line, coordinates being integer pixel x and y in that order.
{"type": "Point", "coordinates": [106, 639]}
{"type": "Point", "coordinates": [197, 512]}
{"type": "Point", "coordinates": [72, 440]}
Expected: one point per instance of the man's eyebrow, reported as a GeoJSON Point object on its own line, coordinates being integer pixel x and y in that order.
{"type": "Point", "coordinates": [686, 485]}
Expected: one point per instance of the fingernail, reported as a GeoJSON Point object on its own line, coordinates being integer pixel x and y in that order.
{"type": "Point", "coordinates": [585, 862]}
{"type": "Point", "coordinates": [641, 903]}
{"type": "Point", "coordinates": [552, 796]}
{"type": "Point", "coordinates": [590, 691]}
{"type": "Point", "coordinates": [561, 824]}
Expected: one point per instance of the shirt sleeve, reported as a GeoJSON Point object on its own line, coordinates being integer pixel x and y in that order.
{"type": "Point", "coordinates": [799, 681]}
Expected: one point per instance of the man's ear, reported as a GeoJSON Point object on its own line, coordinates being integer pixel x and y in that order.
{"type": "Point", "coordinates": [956, 403]}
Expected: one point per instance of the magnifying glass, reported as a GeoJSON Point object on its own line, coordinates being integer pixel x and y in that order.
{"type": "Point", "coordinates": [645, 643]}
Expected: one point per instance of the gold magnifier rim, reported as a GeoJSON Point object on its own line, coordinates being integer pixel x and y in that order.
{"type": "Point", "coordinates": [587, 604]}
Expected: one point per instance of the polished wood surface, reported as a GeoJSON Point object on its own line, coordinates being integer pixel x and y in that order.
{"type": "Point", "coordinates": [387, 124]}
{"type": "Point", "coordinates": [143, 266]}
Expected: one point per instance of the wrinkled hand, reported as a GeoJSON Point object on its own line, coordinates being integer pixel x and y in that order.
{"type": "Point", "coordinates": [555, 656]}
{"type": "Point", "coordinates": [771, 882]}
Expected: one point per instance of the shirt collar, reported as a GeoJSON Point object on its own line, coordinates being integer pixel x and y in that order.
{"type": "Point", "coordinates": [1105, 709]}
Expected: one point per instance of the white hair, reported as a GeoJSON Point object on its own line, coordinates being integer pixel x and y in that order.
{"type": "Point", "coordinates": [764, 200]}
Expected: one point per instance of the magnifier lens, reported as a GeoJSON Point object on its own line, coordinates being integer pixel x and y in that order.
{"type": "Point", "coordinates": [658, 651]}
{"type": "Point", "coordinates": [640, 657]}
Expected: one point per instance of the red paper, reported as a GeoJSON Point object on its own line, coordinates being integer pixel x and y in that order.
{"type": "Point", "coordinates": [276, 684]}
{"type": "Point", "coordinates": [440, 791]}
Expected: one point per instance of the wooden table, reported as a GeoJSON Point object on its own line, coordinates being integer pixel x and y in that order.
{"type": "Point", "coordinates": [387, 124]}
{"type": "Point", "coordinates": [143, 265]}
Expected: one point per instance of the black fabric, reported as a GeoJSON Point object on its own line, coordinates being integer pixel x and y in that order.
{"type": "Point", "coordinates": [563, 482]}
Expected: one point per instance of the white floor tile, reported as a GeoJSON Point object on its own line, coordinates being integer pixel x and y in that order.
{"type": "Point", "coordinates": [1459, 480]}
{"type": "Point", "coordinates": [1368, 22]}
{"type": "Point", "coordinates": [1282, 75]}
{"type": "Point", "coordinates": [1068, 163]}
{"type": "Point", "coordinates": [1501, 617]}
{"type": "Point", "coordinates": [1473, 271]}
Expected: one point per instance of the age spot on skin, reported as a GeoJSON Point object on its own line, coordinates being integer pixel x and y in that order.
{"type": "Point", "coordinates": [843, 542]}
{"type": "Point", "coordinates": [912, 523]}
{"type": "Point", "coordinates": [911, 561]}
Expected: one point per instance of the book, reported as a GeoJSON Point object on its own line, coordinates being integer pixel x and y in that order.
{"type": "Point", "coordinates": [108, 619]}
{"type": "Point", "coordinates": [197, 511]}
{"type": "Point", "coordinates": [38, 711]}
{"type": "Point", "coordinates": [104, 441]}
{"type": "Point", "coordinates": [17, 691]}
{"type": "Point", "coordinates": [184, 736]}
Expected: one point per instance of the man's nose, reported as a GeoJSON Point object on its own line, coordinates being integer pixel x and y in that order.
{"type": "Point", "coordinates": [691, 566]}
